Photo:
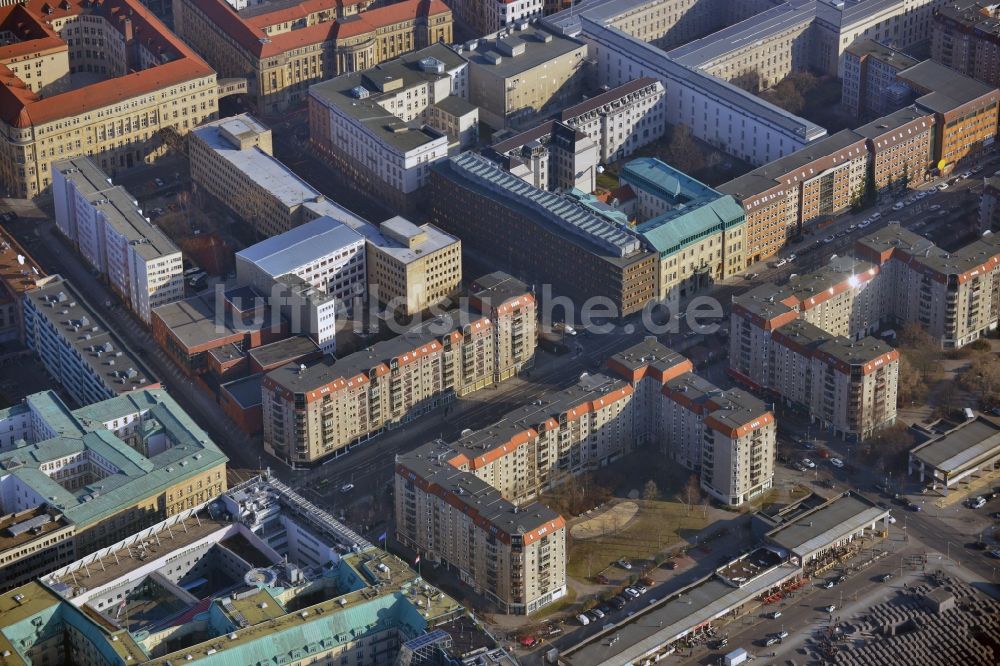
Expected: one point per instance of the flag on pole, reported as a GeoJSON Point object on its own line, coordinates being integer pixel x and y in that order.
{"type": "Point", "coordinates": [382, 536]}
{"type": "Point", "coordinates": [416, 561]}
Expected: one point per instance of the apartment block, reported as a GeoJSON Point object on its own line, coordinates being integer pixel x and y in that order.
{"type": "Point", "coordinates": [107, 226]}
{"type": "Point", "coordinates": [19, 273]}
{"type": "Point", "coordinates": [900, 146]}
{"type": "Point", "coordinates": [79, 79]}
{"type": "Point", "coordinates": [510, 304]}
{"type": "Point", "coordinates": [697, 232]}
{"type": "Point", "coordinates": [513, 554]}
{"type": "Point", "coordinates": [868, 76]}
{"type": "Point", "coordinates": [965, 110]}
{"type": "Point", "coordinates": [539, 236]}
{"type": "Point", "coordinates": [259, 574]}
{"type": "Point", "coordinates": [384, 126]}
{"type": "Point", "coordinates": [954, 296]}
{"type": "Point", "coordinates": [323, 409]}
{"type": "Point", "coordinates": [781, 197]}
{"type": "Point", "coordinates": [76, 347]}
{"type": "Point", "coordinates": [966, 37]}
{"type": "Point", "coordinates": [77, 481]}
{"type": "Point", "coordinates": [281, 49]}
{"type": "Point", "coordinates": [524, 73]}
{"type": "Point", "coordinates": [807, 342]}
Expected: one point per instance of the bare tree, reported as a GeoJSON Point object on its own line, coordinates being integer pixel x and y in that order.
{"type": "Point", "coordinates": [650, 491]}
{"type": "Point", "coordinates": [692, 491]}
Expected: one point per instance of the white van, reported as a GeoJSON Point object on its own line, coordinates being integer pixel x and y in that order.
{"type": "Point", "coordinates": [583, 619]}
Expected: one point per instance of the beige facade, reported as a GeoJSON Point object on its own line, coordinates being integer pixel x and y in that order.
{"type": "Point", "coordinates": [284, 51]}
{"type": "Point", "coordinates": [324, 409]}
{"type": "Point", "coordinates": [82, 82]}
{"type": "Point", "coordinates": [530, 73]}
{"type": "Point", "coordinates": [514, 555]}
{"type": "Point", "coordinates": [900, 147]}
{"type": "Point", "coordinates": [416, 267]}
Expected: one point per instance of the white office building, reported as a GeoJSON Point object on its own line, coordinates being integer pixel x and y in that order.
{"type": "Point", "coordinates": [108, 228]}
{"type": "Point", "coordinates": [385, 126]}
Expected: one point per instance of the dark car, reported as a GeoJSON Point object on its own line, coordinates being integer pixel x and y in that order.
{"type": "Point", "coordinates": [913, 506]}
{"type": "Point", "coordinates": [617, 603]}
{"type": "Point", "coordinates": [978, 545]}
{"type": "Point", "coordinates": [604, 609]}
{"type": "Point", "coordinates": [885, 578]}
{"type": "Point", "coordinates": [718, 644]}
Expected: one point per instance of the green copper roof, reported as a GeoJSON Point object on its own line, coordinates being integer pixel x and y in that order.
{"type": "Point", "coordinates": [674, 231]}
{"type": "Point", "coordinates": [187, 451]}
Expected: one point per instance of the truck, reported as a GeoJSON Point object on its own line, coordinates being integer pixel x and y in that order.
{"type": "Point", "coordinates": [737, 656]}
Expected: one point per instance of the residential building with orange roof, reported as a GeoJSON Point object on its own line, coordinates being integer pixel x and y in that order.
{"type": "Point", "coordinates": [102, 78]}
{"type": "Point", "coordinates": [282, 49]}
{"type": "Point", "coordinates": [471, 504]}
{"type": "Point", "coordinates": [319, 410]}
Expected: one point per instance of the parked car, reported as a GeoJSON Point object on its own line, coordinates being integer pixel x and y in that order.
{"type": "Point", "coordinates": [864, 223]}
{"type": "Point", "coordinates": [773, 615]}
{"type": "Point", "coordinates": [935, 206]}
{"type": "Point", "coordinates": [583, 619]}
{"type": "Point", "coordinates": [977, 502]}
{"type": "Point", "coordinates": [617, 603]}
{"type": "Point", "coordinates": [828, 609]}
{"type": "Point", "coordinates": [995, 554]}
{"type": "Point", "coordinates": [807, 445]}
{"type": "Point", "coordinates": [640, 588]}
{"type": "Point", "coordinates": [837, 462]}
{"type": "Point", "coordinates": [885, 578]}
{"type": "Point", "coordinates": [979, 545]}
{"type": "Point", "coordinates": [780, 262]}
{"type": "Point", "coordinates": [346, 488]}
{"type": "Point", "coordinates": [899, 205]}
{"type": "Point", "coordinates": [598, 612]}
{"type": "Point", "coordinates": [625, 564]}
{"type": "Point", "coordinates": [913, 506]}
{"type": "Point", "coordinates": [826, 584]}
{"type": "Point", "coordinates": [768, 642]}
{"type": "Point", "coordinates": [780, 634]}
{"type": "Point", "coordinates": [632, 592]}
{"type": "Point", "coordinates": [875, 217]}
{"type": "Point", "coordinates": [751, 276]}
{"type": "Point", "coordinates": [940, 186]}
{"type": "Point", "coordinates": [528, 641]}
{"type": "Point", "coordinates": [829, 239]}
{"type": "Point", "coordinates": [892, 519]}
{"type": "Point", "coordinates": [808, 463]}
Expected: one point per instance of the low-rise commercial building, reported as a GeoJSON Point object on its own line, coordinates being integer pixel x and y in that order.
{"type": "Point", "coordinates": [76, 481]}
{"type": "Point", "coordinates": [967, 449]}
{"type": "Point", "coordinates": [524, 73]}
{"type": "Point", "coordinates": [108, 228]}
{"type": "Point", "coordinates": [76, 347]}
{"type": "Point", "coordinates": [697, 232]}
{"type": "Point", "coordinates": [280, 49]}
{"type": "Point", "coordinates": [384, 126]}
{"type": "Point", "coordinates": [322, 409]}
{"type": "Point", "coordinates": [105, 79]}
{"type": "Point", "coordinates": [539, 236]}
{"type": "Point", "coordinates": [19, 273]}
{"type": "Point", "coordinates": [806, 343]}
{"type": "Point", "coordinates": [868, 77]}
{"type": "Point", "coordinates": [810, 533]}
{"type": "Point", "coordinates": [966, 37]}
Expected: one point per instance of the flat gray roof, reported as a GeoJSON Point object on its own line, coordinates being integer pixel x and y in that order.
{"type": "Point", "coordinates": [433, 241]}
{"type": "Point", "coordinates": [246, 391]}
{"type": "Point", "coordinates": [293, 347]}
{"type": "Point", "coordinates": [765, 177]}
{"type": "Point", "coordinates": [826, 524]}
{"type": "Point", "coordinates": [540, 45]}
{"type": "Point", "coordinates": [962, 447]}
{"type": "Point", "coordinates": [648, 630]}
{"type": "Point", "coordinates": [947, 88]}
{"type": "Point", "coordinates": [744, 34]}
{"type": "Point", "coordinates": [879, 51]}
{"type": "Point", "coordinates": [119, 208]}
{"type": "Point", "coordinates": [894, 120]}
{"type": "Point", "coordinates": [95, 343]}
{"type": "Point", "coordinates": [918, 250]}
{"type": "Point", "coordinates": [300, 245]}
{"type": "Point", "coordinates": [193, 321]}
{"type": "Point", "coordinates": [267, 172]}
{"type": "Point", "coordinates": [343, 93]}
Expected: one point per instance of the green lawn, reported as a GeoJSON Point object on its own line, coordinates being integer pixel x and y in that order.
{"type": "Point", "coordinates": [607, 180]}
{"type": "Point", "coordinates": [654, 529]}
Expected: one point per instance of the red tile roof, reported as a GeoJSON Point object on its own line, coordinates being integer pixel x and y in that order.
{"type": "Point", "coordinates": [20, 107]}
{"type": "Point", "coordinates": [249, 33]}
